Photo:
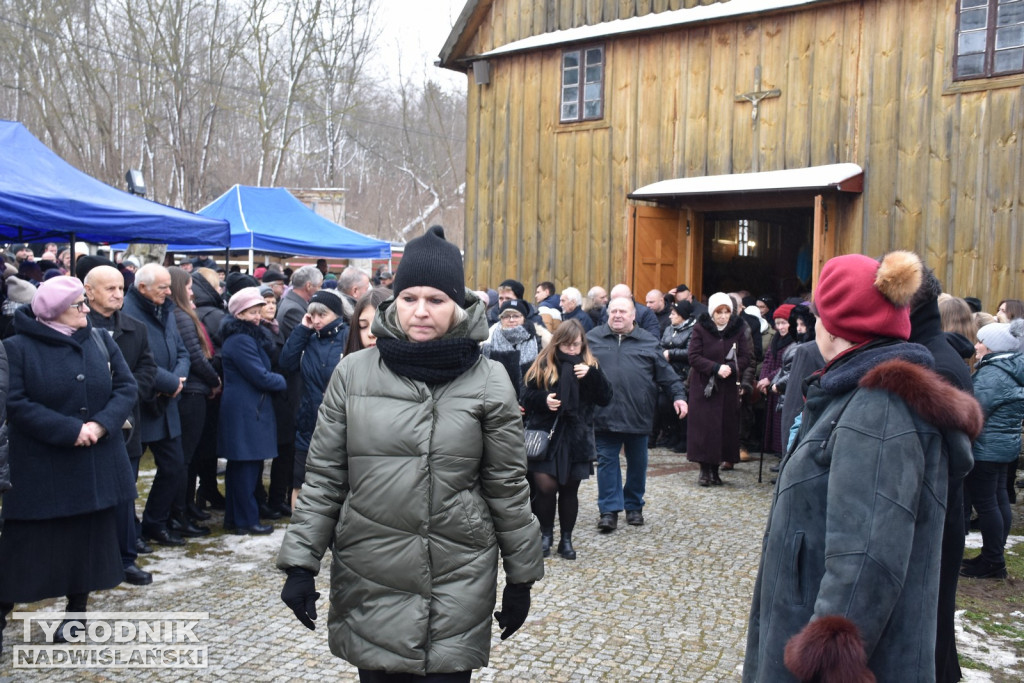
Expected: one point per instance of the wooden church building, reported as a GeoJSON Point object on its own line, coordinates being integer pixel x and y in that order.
{"type": "Point", "coordinates": [738, 144]}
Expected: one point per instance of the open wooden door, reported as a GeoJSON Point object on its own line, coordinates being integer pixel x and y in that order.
{"type": "Point", "coordinates": [655, 247]}
{"type": "Point", "coordinates": [824, 237]}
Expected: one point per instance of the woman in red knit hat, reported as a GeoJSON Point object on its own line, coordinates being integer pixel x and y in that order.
{"type": "Point", "coordinates": [848, 583]}
{"type": "Point", "coordinates": [769, 368]}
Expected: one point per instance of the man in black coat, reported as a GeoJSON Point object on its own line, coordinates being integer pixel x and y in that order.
{"type": "Point", "coordinates": [926, 329]}
{"type": "Point", "coordinates": [630, 359]}
{"type": "Point", "coordinates": [656, 302]}
{"type": "Point", "coordinates": [104, 289]}
{"type": "Point", "coordinates": [149, 302]}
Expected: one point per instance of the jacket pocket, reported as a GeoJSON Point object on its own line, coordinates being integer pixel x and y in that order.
{"type": "Point", "coordinates": [796, 563]}
{"type": "Point", "coordinates": [478, 518]}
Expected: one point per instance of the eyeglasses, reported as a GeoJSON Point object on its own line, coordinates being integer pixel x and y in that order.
{"type": "Point", "coordinates": [80, 306]}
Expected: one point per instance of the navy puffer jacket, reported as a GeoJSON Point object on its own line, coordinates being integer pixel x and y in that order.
{"type": "Point", "coordinates": [316, 354]}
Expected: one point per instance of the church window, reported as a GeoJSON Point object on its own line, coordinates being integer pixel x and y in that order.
{"type": "Point", "coordinates": [990, 38]}
{"type": "Point", "coordinates": [583, 84]}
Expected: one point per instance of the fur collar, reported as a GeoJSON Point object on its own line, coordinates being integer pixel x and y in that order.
{"type": "Point", "coordinates": [935, 400]}
{"type": "Point", "coordinates": [708, 324]}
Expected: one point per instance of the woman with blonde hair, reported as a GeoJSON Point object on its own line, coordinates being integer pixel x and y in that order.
{"type": "Point", "coordinates": [957, 323]}
{"type": "Point", "coordinates": [416, 482]}
{"type": "Point", "coordinates": [561, 389]}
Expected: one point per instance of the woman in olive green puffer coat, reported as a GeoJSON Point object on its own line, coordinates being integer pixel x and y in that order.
{"type": "Point", "coordinates": [416, 477]}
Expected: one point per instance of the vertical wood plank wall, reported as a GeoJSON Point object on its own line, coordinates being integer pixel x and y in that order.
{"type": "Point", "coordinates": [943, 163]}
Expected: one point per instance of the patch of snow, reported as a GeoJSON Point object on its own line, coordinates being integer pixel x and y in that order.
{"type": "Point", "coordinates": [830, 175]}
{"type": "Point", "coordinates": [647, 22]}
{"type": "Point", "coordinates": [985, 648]}
{"type": "Point", "coordinates": [973, 541]}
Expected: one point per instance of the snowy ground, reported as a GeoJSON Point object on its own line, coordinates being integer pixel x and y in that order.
{"type": "Point", "coordinates": [971, 641]}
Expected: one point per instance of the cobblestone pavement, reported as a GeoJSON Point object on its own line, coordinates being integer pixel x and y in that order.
{"type": "Point", "coordinates": [667, 601]}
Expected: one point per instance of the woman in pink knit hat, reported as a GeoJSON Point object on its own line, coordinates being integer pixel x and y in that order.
{"type": "Point", "coordinates": [69, 396]}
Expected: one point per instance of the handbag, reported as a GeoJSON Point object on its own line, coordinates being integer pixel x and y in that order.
{"type": "Point", "coordinates": [537, 442]}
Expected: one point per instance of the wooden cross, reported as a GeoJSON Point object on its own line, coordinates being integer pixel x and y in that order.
{"type": "Point", "coordinates": [658, 261]}
{"type": "Point", "coordinates": [757, 95]}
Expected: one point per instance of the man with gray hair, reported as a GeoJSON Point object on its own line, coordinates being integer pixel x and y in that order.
{"type": "Point", "coordinates": [598, 310]}
{"type": "Point", "coordinates": [352, 284]}
{"type": "Point", "coordinates": [306, 282]}
{"type": "Point", "coordinates": [149, 302]}
{"type": "Point", "coordinates": [571, 302]}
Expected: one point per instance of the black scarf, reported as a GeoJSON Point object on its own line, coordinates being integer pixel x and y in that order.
{"type": "Point", "coordinates": [568, 383]}
{"type": "Point", "coordinates": [433, 362]}
{"type": "Point", "coordinates": [780, 341]}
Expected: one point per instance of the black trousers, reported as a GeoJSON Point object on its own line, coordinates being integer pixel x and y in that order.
{"type": "Point", "coordinates": [169, 480]}
{"type": "Point", "coordinates": [192, 409]}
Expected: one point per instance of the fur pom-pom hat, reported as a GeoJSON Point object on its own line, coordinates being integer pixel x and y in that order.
{"type": "Point", "coordinates": [859, 298]}
{"type": "Point", "coordinates": [1003, 337]}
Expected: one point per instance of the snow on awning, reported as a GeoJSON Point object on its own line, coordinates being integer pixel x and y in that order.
{"type": "Point", "coordinates": [840, 177]}
{"type": "Point", "coordinates": [648, 22]}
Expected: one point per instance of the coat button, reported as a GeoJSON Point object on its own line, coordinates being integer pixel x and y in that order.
{"type": "Point", "coordinates": [80, 378]}
{"type": "Point", "coordinates": [83, 411]}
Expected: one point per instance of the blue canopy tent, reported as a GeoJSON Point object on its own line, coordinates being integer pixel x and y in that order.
{"type": "Point", "coordinates": [42, 197]}
{"type": "Point", "coordinates": [272, 220]}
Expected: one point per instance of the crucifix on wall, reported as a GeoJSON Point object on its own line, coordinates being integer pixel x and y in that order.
{"type": "Point", "coordinates": [757, 95]}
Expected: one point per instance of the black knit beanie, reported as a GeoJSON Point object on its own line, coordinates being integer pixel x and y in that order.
{"type": "Point", "coordinates": [431, 261]}
{"type": "Point", "coordinates": [236, 281]}
{"type": "Point", "coordinates": [329, 299]}
{"type": "Point", "coordinates": [516, 286]}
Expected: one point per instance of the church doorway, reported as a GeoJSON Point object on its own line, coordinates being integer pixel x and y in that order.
{"type": "Point", "coordinates": [767, 253]}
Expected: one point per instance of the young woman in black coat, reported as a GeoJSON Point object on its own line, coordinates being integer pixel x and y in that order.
{"type": "Point", "coordinates": [563, 384]}
{"type": "Point", "coordinates": [202, 383]}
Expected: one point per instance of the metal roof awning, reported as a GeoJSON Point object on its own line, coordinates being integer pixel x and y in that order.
{"type": "Point", "coordinates": [835, 177]}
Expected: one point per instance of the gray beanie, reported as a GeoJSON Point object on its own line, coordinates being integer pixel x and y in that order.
{"type": "Point", "coordinates": [19, 291]}
{"type": "Point", "coordinates": [1003, 337]}
{"type": "Point", "coordinates": [432, 261]}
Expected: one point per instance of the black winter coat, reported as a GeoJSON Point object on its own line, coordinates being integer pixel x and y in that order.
{"type": "Point", "coordinates": [209, 308]}
{"type": "Point", "coordinates": [202, 376]}
{"type": "Point", "coordinates": [5, 467]}
{"type": "Point", "coordinates": [948, 351]}
{"type": "Point", "coordinates": [131, 337]}
{"type": "Point", "coordinates": [574, 433]}
{"type": "Point", "coordinates": [57, 384]}
{"type": "Point", "coordinates": [636, 370]}
{"type": "Point", "coordinates": [676, 341]}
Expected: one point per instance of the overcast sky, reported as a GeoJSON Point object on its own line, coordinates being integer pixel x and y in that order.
{"type": "Point", "coordinates": [413, 32]}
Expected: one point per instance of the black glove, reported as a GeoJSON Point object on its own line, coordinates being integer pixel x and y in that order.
{"type": "Point", "coordinates": [515, 605]}
{"type": "Point", "coordinates": [299, 593]}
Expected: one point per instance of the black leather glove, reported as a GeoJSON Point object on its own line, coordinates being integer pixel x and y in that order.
{"type": "Point", "coordinates": [299, 593]}
{"type": "Point", "coordinates": [515, 605]}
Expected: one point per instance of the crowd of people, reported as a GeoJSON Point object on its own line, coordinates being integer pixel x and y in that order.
{"type": "Point", "coordinates": [394, 410]}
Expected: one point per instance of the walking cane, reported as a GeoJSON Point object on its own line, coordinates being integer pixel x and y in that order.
{"type": "Point", "coordinates": [760, 460]}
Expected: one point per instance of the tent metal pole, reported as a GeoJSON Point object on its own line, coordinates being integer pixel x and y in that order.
{"type": "Point", "coordinates": [72, 248]}
{"type": "Point", "coordinates": [250, 262]}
